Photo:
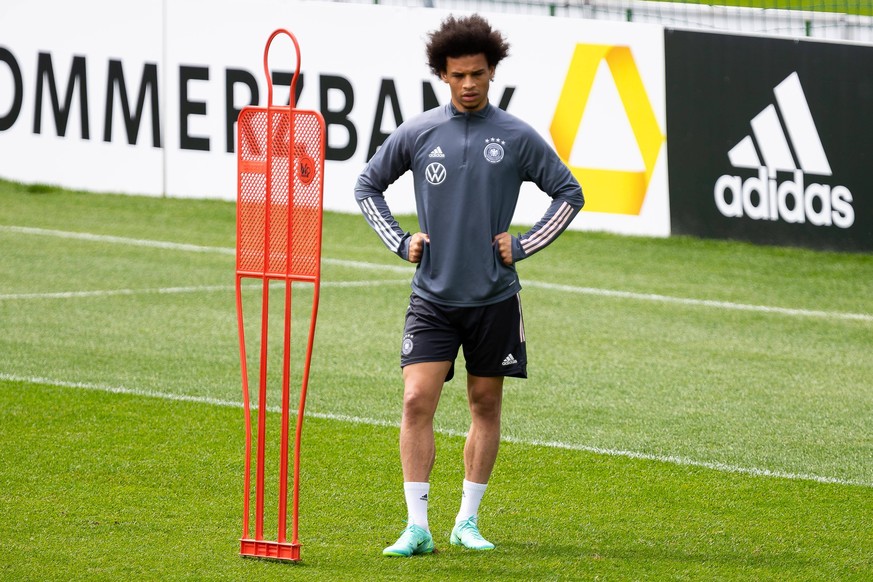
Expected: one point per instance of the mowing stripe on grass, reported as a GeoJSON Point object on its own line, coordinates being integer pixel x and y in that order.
{"type": "Point", "coordinates": [172, 290]}
{"type": "Point", "coordinates": [671, 459]}
{"type": "Point", "coordinates": [408, 269]}
{"type": "Point", "coordinates": [405, 269]}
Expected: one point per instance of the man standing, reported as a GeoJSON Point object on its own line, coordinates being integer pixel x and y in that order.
{"type": "Point", "coordinates": [468, 161]}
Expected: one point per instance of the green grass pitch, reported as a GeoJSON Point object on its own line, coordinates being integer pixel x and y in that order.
{"type": "Point", "coordinates": [859, 7]}
{"type": "Point", "coordinates": [695, 409]}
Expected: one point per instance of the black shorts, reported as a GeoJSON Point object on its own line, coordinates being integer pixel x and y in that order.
{"type": "Point", "coordinates": [492, 337]}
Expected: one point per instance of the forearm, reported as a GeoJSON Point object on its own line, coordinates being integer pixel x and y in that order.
{"type": "Point", "coordinates": [557, 218]}
{"type": "Point", "coordinates": [380, 219]}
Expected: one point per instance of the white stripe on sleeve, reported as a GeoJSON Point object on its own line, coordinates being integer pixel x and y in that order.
{"type": "Point", "coordinates": [382, 227]}
{"type": "Point", "coordinates": [549, 231]}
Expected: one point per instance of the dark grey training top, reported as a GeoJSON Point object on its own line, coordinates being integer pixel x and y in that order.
{"type": "Point", "coordinates": [468, 169]}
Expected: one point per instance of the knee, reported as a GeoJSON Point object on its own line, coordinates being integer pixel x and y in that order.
{"type": "Point", "coordinates": [418, 402]}
{"type": "Point", "coordinates": [486, 405]}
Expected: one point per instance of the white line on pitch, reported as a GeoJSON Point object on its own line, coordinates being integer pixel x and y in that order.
{"type": "Point", "coordinates": [172, 290]}
{"type": "Point", "coordinates": [670, 459]}
{"type": "Point", "coordinates": [138, 242]}
{"type": "Point", "coordinates": [117, 240]}
{"type": "Point", "coordinates": [408, 270]}
{"type": "Point", "coordinates": [112, 292]}
{"type": "Point", "coordinates": [700, 302]}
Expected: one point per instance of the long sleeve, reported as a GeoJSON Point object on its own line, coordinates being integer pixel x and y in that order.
{"type": "Point", "coordinates": [557, 218]}
{"type": "Point", "coordinates": [467, 171]}
{"type": "Point", "coordinates": [551, 175]}
{"type": "Point", "coordinates": [390, 162]}
{"type": "Point", "coordinates": [381, 220]}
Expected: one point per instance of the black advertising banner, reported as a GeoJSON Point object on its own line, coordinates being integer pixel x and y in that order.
{"type": "Point", "coordinates": [770, 140]}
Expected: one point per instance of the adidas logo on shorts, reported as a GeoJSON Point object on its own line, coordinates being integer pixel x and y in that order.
{"type": "Point", "coordinates": [509, 360]}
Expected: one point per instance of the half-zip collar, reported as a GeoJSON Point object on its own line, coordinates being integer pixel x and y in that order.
{"type": "Point", "coordinates": [483, 113]}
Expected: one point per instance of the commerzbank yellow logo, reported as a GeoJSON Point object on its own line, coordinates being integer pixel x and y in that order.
{"type": "Point", "coordinates": [612, 191]}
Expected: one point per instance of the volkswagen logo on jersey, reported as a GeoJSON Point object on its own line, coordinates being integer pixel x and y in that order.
{"type": "Point", "coordinates": [435, 173]}
{"type": "Point", "coordinates": [494, 150]}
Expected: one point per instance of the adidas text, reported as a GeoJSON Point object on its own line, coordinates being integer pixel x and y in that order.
{"type": "Point", "coordinates": [509, 360]}
{"type": "Point", "coordinates": [785, 135]}
{"type": "Point", "coordinates": [762, 198]}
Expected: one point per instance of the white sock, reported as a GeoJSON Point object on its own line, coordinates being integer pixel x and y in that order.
{"type": "Point", "coordinates": [470, 500]}
{"type": "Point", "coordinates": [416, 503]}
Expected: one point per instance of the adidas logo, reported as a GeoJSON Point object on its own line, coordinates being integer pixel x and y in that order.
{"type": "Point", "coordinates": [799, 153]}
{"type": "Point", "coordinates": [509, 360]}
{"type": "Point", "coordinates": [437, 153]}
{"type": "Point", "coordinates": [423, 497]}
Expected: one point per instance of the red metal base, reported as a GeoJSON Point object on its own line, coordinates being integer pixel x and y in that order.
{"type": "Point", "coordinates": [270, 550]}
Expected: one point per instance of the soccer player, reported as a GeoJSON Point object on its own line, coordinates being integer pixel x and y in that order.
{"type": "Point", "coordinates": [468, 160]}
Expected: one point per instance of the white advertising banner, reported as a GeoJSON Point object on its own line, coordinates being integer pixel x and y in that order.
{"type": "Point", "coordinates": [55, 60]}
{"type": "Point", "coordinates": [95, 99]}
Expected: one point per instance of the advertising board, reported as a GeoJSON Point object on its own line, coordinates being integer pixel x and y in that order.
{"type": "Point", "coordinates": [770, 140]}
{"type": "Point", "coordinates": [90, 100]}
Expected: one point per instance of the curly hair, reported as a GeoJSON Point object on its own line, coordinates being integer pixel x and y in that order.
{"type": "Point", "coordinates": [460, 37]}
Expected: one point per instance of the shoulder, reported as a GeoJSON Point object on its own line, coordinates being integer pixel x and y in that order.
{"type": "Point", "coordinates": [515, 125]}
{"type": "Point", "coordinates": [418, 124]}
{"type": "Point", "coordinates": [529, 143]}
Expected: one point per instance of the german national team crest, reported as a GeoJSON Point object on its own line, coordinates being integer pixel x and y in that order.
{"type": "Point", "coordinates": [406, 347]}
{"type": "Point", "coordinates": [494, 149]}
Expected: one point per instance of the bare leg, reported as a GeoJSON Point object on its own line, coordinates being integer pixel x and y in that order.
{"type": "Point", "coordinates": [422, 387]}
{"type": "Point", "coordinates": [423, 384]}
{"type": "Point", "coordinates": [485, 396]}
